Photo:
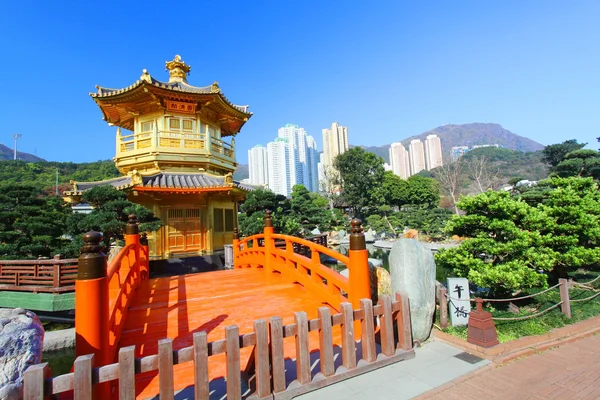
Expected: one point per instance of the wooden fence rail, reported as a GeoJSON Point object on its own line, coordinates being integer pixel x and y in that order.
{"type": "Point", "coordinates": [385, 338]}
{"type": "Point", "coordinates": [48, 276]}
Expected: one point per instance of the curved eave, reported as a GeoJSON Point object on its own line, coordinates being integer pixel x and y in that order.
{"type": "Point", "coordinates": [113, 103]}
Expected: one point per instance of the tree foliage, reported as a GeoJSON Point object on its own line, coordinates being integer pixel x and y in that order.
{"type": "Point", "coordinates": [555, 153]}
{"type": "Point", "coordinates": [110, 214]}
{"type": "Point", "coordinates": [513, 244]}
{"type": "Point", "coordinates": [582, 163]}
{"type": "Point", "coordinates": [361, 173]}
{"type": "Point", "coordinates": [31, 224]}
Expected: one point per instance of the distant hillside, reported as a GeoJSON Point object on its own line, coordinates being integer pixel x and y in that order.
{"type": "Point", "coordinates": [467, 135]}
{"type": "Point", "coordinates": [7, 153]}
{"type": "Point", "coordinates": [241, 172]}
{"type": "Point", "coordinates": [43, 173]}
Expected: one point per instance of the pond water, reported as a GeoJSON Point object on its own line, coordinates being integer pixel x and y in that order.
{"type": "Point", "coordinates": [59, 361]}
{"type": "Point", "coordinates": [382, 254]}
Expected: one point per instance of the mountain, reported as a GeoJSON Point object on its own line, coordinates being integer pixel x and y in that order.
{"type": "Point", "coordinates": [7, 153]}
{"type": "Point", "coordinates": [467, 135]}
{"type": "Point", "coordinates": [241, 172]}
{"type": "Point", "coordinates": [476, 133]}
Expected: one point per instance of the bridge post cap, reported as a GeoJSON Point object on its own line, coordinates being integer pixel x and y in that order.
{"type": "Point", "coordinates": [92, 261]}
{"type": "Point", "coordinates": [236, 234]}
{"type": "Point", "coordinates": [479, 304]}
{"type": "Point", "coordinates": [132, 225]}
{"type": "Point", "coordinates": [268, 219]}
{"type": "Point", "coordinates": [144, 239]}
{"type": "Point", "coordinates": [357, 236]}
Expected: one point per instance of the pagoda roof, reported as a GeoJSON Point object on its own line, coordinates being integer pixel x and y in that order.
{"type": "Point", "coordinates": [147, 94]}
{"type": "Point", "coordinates": [165, 181]}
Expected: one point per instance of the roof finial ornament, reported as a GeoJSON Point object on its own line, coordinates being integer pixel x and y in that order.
{"type": "Point", "coordinates": [146, 76]}
{"type": "Point", "coordinates": [178, 70]}
{"type": "Point", "coordinates": [214, 88]}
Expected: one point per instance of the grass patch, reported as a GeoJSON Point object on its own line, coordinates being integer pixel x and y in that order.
{"type": "Point", "coordinates": [511, 330]}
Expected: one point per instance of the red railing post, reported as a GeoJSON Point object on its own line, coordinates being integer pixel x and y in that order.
{"type": "Point", "coordinates": [235, 246]}
{"type": "Point", "coordinates": [132, 236]}
{"type": "Point", "coordinates": [91, 301]}
{"type": "Point", "coordinates": [269, 243]}
{"type": "Point", "coordinates": [359, 278]}
{"type": "Point", "coordinates": [144, 256]}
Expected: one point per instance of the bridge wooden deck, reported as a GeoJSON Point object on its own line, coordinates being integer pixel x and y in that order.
{"type": "Point", "coordinates": [177, 307]}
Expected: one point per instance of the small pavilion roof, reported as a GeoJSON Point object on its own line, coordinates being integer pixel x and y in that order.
{"type": "Point", "coordinates": [165, 181]}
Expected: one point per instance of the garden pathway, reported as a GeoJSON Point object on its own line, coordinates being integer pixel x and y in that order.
{"type": "Point", "coordinates": [571, 371]}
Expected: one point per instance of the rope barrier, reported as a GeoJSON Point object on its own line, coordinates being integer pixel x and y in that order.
{"type": "Point", "coordinates": [588, 282]}
{"type": "Point", "coordinates": [585, 299]}
{"type": "Point", "coordinates": [513, 299]}
{"type": "Point", "coordinates": [528, 316]}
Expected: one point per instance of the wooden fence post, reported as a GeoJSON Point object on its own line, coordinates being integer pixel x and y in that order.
{"type": "Point", "coordinates": [33, 381]}
{"type": "Point", "coordinates": [91, 301]}
{"type": "Point", "coordinates": [565, 307]}
{"type": "Point", "coordinates": [56, 273]}
{"type": "Point", "coordinates": [358, 269]}
{"type": "Point", "coordinates": [269, 245]}
{"type": "Point", "coordinates": [443, 301]}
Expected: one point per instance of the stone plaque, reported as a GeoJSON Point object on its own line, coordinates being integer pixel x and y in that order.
{"type": "Point", "coordinates": [459, 301]}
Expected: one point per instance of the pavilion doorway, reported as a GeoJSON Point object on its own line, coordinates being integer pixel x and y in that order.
{"type": "Point", "coordinates": [184, 230]}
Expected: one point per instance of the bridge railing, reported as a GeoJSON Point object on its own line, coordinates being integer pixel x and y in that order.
{"type": "Point", "coordinates": [47, 276]}
{"type": "Point", "coordinates": [103, 293]}
{"type": "Point", "coordinates": [305, 266]}
{"type": "Point", "coordinates": [384, 338]}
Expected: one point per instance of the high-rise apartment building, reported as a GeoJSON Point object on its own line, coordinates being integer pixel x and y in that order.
{"type": "Point", "coordinates": [258, 166]}
{"type": "Point", "coordinates": [399, 160]}
{"type": "Point", "coordinates": [303, 156]}
{"type": "Point", "coordinates": [278, 158]}
{"type": "Point", "coordinates": [417, 156]}
{"type": "Point", "coordinates": [433, 152]}
{"type": "Point", "coordinates": [335, 142]}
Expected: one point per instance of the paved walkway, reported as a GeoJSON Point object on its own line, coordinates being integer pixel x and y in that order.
{"type": "Point", "coordinates": [571, 371]}
{"type": "Point", "coordinates": [435, 364]}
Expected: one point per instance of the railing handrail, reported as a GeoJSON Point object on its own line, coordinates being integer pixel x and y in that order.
{"type": "Point", "coordinates": [312, 245]}
{"type": "Point", "coordinates": [115, 263]}
{"type": "Point", "coordinates": [48, 262]}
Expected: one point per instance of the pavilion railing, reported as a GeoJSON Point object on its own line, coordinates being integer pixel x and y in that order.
{"type": "Point", "coordinates": [39, 276]}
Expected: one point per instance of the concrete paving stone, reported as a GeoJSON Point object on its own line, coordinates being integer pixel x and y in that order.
{"type": "Point", "coordinates": [442, 348]}
{"type": "Point", "coordinates": [336, 391]}
{"type": "Point", "coordinates": [444, 371]}
{"type": "Point", "coordinates": [374, 378]}
{"type": "Point", "coordinates": [407, 387]}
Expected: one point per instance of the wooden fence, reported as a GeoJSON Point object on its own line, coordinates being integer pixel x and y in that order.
{"type": "Point", "coordinates": [385, 338]}
{"type": "Point", "coordinates": [48, 276]}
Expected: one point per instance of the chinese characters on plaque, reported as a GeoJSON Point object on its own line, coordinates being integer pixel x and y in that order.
{"type": "Point", "coordinates": [459, 302]}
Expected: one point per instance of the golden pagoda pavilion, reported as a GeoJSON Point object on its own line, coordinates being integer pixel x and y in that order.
{"type": "Point", "coordinates": [172, 149]}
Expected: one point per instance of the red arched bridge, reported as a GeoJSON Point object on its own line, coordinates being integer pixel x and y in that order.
{"type": "Point", "coordinates": [279, 324]}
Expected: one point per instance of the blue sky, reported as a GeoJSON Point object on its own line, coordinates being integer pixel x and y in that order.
{"type": "Point", "coordinates": [385, 69]}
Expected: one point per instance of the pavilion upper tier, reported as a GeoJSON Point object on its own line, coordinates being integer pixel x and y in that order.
{"type": "Point", "coordinates": [176, 126]}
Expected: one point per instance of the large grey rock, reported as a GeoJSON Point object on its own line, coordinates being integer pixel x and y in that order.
{"type": "Point", "coordinates": [341, 234]}
{"type": "Point", "coordinates": [412, 269]}
{"type": "Point", "coordinates": [21, 343]}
